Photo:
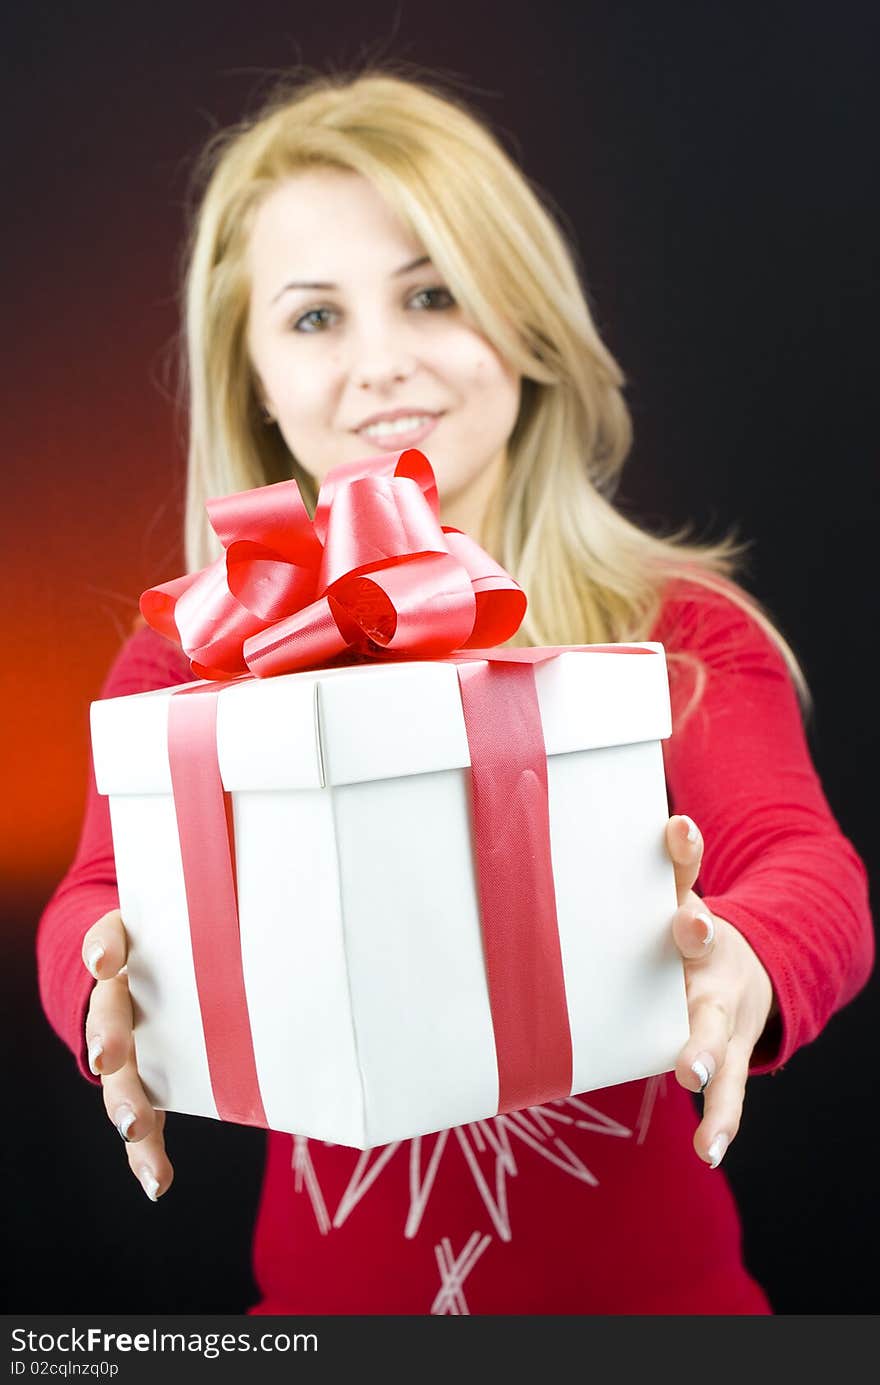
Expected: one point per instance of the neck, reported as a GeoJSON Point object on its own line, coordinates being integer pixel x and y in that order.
{"type": "Point", "coordinates": [471, 509]}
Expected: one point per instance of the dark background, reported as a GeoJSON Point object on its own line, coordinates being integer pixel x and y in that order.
{"type": "Point", "coordinates": [714, 164]}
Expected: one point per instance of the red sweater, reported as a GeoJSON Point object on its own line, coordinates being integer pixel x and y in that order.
{"type": "Point", "coordinates": [594, 1204]}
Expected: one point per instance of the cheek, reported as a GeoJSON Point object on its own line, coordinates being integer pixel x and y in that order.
{"type": "Point", "coordinates": [495, 389]}
{"type": "Point", "coordinates": [486, 371]}
{"type": "Point", "coordinates": [304, 386]}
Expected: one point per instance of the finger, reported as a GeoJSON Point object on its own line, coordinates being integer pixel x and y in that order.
{"type": "Point", "coordinates": [127, 1104]}
{"type": "Point", "coordinates": [694, 932]}
{"type": "Point", "coordinates": [149, 1162]}
{"type": "Point", "coordinates": [705, 1052]}
{"type": "Point", "coordinates": [141, 1127]}
{"type": "Point", "coordinates": [684, 842]}
{"type": "Point", "coordinates": [105, 946]}
{"type": "Point", "coordinates": [109, 1025]}
{"type": "Point", "coordinates": [722, 1105]}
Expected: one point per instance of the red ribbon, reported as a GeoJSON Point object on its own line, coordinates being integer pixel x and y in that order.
{"type": "Point", "coordinates": [375, 572]}
{"type": "Point", "coordinates": [432, 594]}
{"type": "Point", "coordinates": [207, 847]}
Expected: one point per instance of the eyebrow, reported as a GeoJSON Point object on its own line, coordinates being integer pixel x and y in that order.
{"type": "Point", "coordinates": [404, 269]}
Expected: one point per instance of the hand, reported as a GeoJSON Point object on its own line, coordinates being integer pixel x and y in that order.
{"type": "Point", "coordinates": [729, 996]}
{"type": "Point", "coordinates": [109, 1024]}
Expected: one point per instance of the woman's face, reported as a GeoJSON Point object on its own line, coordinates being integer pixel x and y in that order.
{"type": "Point", "coordinates": [359, 347]}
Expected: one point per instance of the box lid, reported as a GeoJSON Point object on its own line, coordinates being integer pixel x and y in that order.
{"type": "Point", "coordinates": [375, 721]}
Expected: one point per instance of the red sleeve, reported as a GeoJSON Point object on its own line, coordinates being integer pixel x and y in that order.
{"type": "Point", "coordinates": [88, 890]}
{"type": "Point", "coordinates": [776, 864]}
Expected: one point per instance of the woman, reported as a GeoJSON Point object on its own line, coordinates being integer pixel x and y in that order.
{"type": "Point", "coordinates": [369, 271]}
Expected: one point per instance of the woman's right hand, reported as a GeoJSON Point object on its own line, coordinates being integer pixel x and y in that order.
{"type": "Point", "coordinates": [109, 1024]}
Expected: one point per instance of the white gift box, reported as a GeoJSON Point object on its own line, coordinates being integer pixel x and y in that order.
{"type": "Point", "coordinates": [361, 938]}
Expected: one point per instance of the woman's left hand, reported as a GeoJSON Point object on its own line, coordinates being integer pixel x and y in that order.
{"type": "Point", "coordinates": [729, 997]}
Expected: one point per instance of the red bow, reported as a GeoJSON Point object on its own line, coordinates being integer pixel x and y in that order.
{"type": "Point", "coordinates": [374, 574]}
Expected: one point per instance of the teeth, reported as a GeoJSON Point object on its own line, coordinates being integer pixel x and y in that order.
{"type": "Point", "coordinates": [397, 425]}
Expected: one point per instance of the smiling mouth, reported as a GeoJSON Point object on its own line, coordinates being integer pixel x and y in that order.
{"type": "Point", "coordinates": [400, 432]}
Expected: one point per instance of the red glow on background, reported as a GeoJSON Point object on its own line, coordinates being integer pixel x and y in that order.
{"type": "Point", "coordinates": [96, 492]}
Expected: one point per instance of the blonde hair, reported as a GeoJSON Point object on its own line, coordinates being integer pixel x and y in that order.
{"type": "Point", "coordinates": [591, 574]}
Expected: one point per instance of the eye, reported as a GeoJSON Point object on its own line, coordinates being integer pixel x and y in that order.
{"type": "Point", "coordinates": [312, 318]}
{"type": "Point", "coordinates": [447, 301]}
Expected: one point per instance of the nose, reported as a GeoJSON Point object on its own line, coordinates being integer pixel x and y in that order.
{"type": "Point", "coordinates": [380, 358]}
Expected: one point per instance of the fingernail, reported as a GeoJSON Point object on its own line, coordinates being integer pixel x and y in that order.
{"type": "Point", "coordinates": [708, 923]}
{"type": "Point", "coordinates": [149, 1184]}
{"type": "Point", "coordinates": [717, 1150]}
{"type": "Point", "coordinates": [93, 957]}
{"type": "Point", "coordinates": [692, 827]}
{"type": "Point", "coordinates": [704, 1066]}
{"type": "Point", "coordinates": [125, 1119]}
{"type": "Point", "coordinates": [96, 1048]}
